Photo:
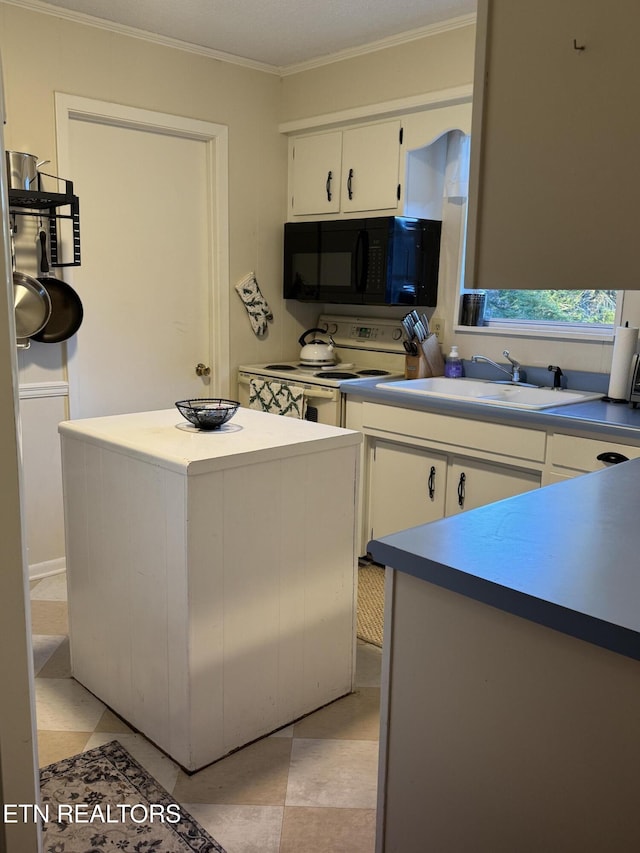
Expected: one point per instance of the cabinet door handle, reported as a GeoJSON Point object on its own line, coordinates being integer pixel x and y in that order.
{"type": "Point", "coordinates": [328, 185]}
{"type": "Point", "coordinates": [461, 482]}
{"type": "Point", "coordinates": [350, 184]}
{"type": "Point", "coordinates": [431, 482]}
{"type": "Point", "coordinates": [610, 457]}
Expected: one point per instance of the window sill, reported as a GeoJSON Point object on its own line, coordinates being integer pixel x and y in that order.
{"type": "Point", "coordinates": [531, 330]}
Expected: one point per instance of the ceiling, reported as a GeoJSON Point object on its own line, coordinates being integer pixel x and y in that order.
{"type": "Point", "coordinates": [276, 33]}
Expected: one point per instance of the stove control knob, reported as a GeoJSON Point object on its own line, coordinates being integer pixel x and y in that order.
{"type": "Point", "coordinates": [331, 329]}
{"type": "Point", "coordinates": [397, 334]}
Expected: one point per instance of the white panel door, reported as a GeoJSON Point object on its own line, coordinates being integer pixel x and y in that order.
{"type": "Point", "coordinates": [145, 274]}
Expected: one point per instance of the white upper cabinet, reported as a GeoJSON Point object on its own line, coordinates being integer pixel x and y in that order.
{"type": "Point", "coordinates": [555, 172]}
{"type": "Point", "coordinates": [347, 171]}
{"type": "Point", "coordinates": [316, 170]}
{"type": "Point", "coordinates": [370, 163]}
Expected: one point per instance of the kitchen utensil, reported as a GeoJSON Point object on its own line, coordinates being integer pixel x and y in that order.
{"type": "Point", "coordinates": [66, 306]}
{"type": "Point", "coordinates": [407, 322]}
{"type": "Point", "coordinates": [207, 413]}
{"type": "Point", "coordinates": [317, 352]}
{"type": "Point", "coordinates": [421, 332]}
{"type": "Point", "coordinates": [425, 323]}
{"type": "Point", "coordinates": [22, 170]}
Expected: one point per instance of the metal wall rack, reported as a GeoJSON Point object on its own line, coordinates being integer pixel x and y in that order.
{"type": "Point", "coordinates": [46, 204]}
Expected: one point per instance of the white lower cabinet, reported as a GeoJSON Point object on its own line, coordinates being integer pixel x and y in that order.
{"type": "Point", "coordinates": [472, 483]}
{"type": "Point", "coordinates": [409, 485]}
{"type": "Point", "coordinates": [570, 456]}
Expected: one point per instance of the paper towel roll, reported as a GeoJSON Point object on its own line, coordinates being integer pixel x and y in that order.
{"type": "Point", "coordinates": [624, 346]}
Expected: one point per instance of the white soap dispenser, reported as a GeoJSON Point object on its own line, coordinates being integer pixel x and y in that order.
{"type": "Point", "coordinates": [453, 364]}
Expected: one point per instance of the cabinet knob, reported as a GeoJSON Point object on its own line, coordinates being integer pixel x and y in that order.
{"type": "Point", "coordinates": [202, 370]}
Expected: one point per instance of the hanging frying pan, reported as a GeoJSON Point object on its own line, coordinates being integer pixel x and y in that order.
{"type": "Point", "coordinates": [66, 306]}
{"type": "Point", "coordinates": [31, 303]}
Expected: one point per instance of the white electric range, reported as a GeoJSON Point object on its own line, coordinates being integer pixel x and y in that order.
{"type": "Point", "coordinates": [365, 348]}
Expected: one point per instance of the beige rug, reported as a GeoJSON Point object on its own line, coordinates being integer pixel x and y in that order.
{"type": "Point", "coordinates": [370, 604]}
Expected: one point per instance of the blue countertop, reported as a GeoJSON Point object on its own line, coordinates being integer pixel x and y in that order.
{"type": "Point", "coordinates": [613, 420]}
{"type": "Point", "coordinates": [564, 556]}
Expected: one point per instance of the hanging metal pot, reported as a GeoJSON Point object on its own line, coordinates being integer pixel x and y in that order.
{"type": "Point", "coordinates": [66, 306]}
{"type": "Point", "coordinates": [22, 170]}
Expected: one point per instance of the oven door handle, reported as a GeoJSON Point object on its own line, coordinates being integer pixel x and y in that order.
{"type": "Point", "coordinates": [310, 393]}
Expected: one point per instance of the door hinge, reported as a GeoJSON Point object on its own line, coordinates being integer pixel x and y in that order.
{"type": "Point", "coordinates": [398, 192]}
{"type": "Point", "coordinates": [401, 135]}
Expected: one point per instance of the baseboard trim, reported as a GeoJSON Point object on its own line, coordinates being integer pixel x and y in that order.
{"type": "Point", "coordinates": [38, 571]}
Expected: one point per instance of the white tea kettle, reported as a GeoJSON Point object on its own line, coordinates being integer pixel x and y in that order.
{"type": "Point", "coordinates": [316, 353]}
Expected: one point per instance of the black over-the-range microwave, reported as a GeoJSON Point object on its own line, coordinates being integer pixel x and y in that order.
{"type": "Point", "coordinates": [384, 260]}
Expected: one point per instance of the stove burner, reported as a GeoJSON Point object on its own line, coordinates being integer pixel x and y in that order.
{"type": "Point", "coordinates": [316, 366]}
{"type": "Point", "coordinates": [337, 374]}
{"type": "Point", "coordinates": [373, 372]}
{"type": "Point", "coordinates": [280, 367]}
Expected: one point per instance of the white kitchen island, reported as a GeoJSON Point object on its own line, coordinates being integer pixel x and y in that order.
{"type": "Point", "coordinates": [211, 576]}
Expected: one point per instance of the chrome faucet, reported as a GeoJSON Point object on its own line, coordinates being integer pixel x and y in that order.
{"type": "Point", "coordinates": [516, 374]}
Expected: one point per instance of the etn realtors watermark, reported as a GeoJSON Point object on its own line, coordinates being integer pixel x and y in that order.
{"type": "Point", "coordinates": [85, 813]}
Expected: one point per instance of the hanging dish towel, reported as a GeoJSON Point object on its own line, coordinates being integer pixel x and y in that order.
{"type": "Point", "coordinates": [277, 398]}
{"type": "Point", "coordinates": [255, 303]}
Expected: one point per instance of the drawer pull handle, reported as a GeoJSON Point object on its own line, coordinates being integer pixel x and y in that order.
{"type": "Point", "coordinates": [350, 184]}
{"type": "Point", "coordinates": [461, 483]}
{"type": "Point", "coordinates": [431, 482]}
{"type": "Point", "coordinates": [611, 458]}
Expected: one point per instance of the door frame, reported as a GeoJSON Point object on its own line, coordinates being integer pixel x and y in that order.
{"type": "Point", "coordinates": [70, 108]}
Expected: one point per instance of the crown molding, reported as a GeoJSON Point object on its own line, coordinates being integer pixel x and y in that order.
{"type": "Point", "coordinates": [143, 35]}
{"type": "Point", "coordinates": [380, 44]}
{"type": "Point", "coordinates": [222, 56]}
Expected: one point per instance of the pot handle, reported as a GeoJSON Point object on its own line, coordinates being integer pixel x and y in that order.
{"type": "Point", "coordinates": [302, 339]}
{"type": "Point", "coordinates": [44, 262]}
{"type": "Point", "coordinates": [38, 164]}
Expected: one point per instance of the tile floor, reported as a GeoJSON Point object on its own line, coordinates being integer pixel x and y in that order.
{"type": "Point", "coordinates": [309, 788]}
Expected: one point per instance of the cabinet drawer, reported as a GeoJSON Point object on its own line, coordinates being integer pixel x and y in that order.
{"type": "Point", "coordinates": [509, 441]}
{"type": "Point", "coordinates": [581, 454]}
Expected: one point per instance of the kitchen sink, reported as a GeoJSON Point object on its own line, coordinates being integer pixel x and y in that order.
{"type": "Point", "coordinates": [490, 393]}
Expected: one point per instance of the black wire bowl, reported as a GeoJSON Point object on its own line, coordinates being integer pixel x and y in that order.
{"type": "Point", "coordinates": [206, 412]}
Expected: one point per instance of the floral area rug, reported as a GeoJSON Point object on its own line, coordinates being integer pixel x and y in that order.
{"type": "Point", "coordinates": [103, 800]}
